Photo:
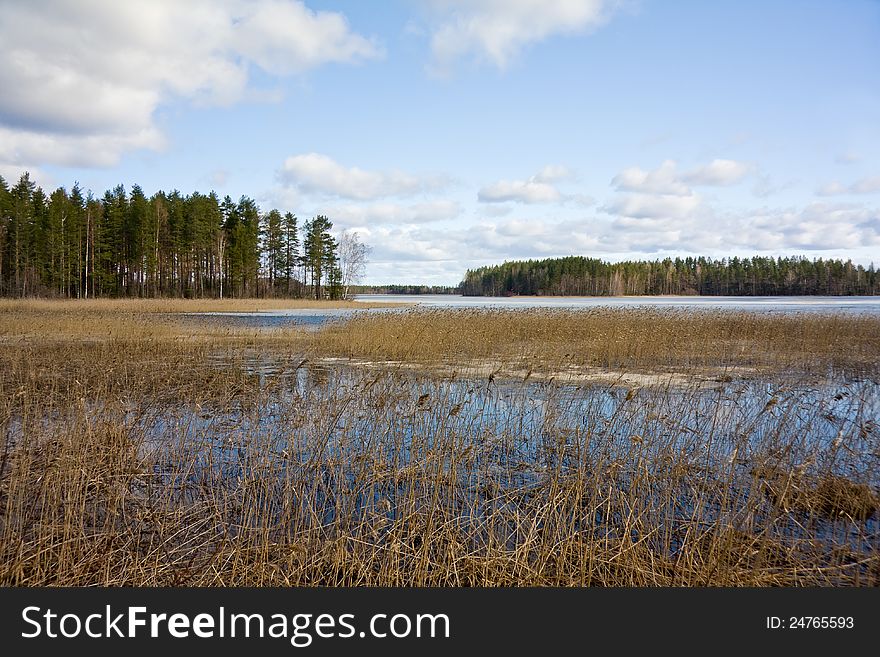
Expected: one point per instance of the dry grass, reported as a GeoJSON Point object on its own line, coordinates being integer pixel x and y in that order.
{"type": "Point", "coordinates": [668, 339]}
{"type": "Point", "coordinates": [828, 495]}
{"type": "Point", "coordinates": [141, 451]}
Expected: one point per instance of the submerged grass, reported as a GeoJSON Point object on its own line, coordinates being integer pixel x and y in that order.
{"type": "Point", "coordinates": [142, 451]}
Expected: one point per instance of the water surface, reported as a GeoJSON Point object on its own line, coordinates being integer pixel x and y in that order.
{"type": "Point", "coordinates": [769, 304]}
{"type": "Point", "coordinates": [313, 318]}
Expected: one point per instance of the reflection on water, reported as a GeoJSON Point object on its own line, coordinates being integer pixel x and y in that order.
{"type": "Point", "coordinates": [311, 319]}
{"type": "Point", "coordinates": [769, 304]}
{"type": "Point", "coordinates": [363, 442]}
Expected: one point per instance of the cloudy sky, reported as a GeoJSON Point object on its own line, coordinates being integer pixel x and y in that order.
{"type": "Point", "coordinates": [456, 133]}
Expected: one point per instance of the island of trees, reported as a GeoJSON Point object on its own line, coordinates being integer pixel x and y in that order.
{"type": "Point", "coordinates": [73, 244]}
{"type": "Point", "coordinates": [757, 276]}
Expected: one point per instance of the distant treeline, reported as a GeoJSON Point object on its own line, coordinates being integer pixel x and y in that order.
{"type": "Point", "coordinates": [757, 276]}
{"type": "Point", "coordinates": [72, 244]}
{"type": "Point", "coordinates": [405, 289]}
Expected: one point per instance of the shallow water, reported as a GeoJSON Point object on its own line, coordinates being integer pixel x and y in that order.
{"type": "Point", "coordinates": [762, 304]}
{"type": "Point", "coordinates": [351, 436]}
{"type": "Point", "coordinates": [313, 318]}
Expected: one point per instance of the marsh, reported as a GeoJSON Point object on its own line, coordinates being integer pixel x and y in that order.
{"type": "Point", "coordinates": [440, 447]}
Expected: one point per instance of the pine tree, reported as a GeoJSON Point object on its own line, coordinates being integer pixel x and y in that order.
{"type": "Point", "coordinates": [21, 221]}
{"type": "Point", "coordinates": [273, 245]}
{"type": "Point", "coordinates": [291, 250]}
{"type": "Point", "coordinates": [5, 220]}
{"type": "Point", "coordinates": [319, 252]}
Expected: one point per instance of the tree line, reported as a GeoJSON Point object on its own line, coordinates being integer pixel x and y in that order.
{"type": "Point", "coordinates": [757, 276]}
{"type": "Point", "coordinates": [405, 289]}
{"type": "Point", "coordinates": [74, 244]}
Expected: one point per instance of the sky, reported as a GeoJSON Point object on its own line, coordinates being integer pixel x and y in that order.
{"type": "Point", "coordinates": [452, 134]}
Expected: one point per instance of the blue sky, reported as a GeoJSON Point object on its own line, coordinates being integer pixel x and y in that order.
{"type": "Point", "coordinates": [453, 133]}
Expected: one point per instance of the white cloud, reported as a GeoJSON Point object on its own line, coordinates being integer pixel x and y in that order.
{"type": "Point", "coordinates": [522, 191]}
{"type": "Point", "coordinates": [818, 226]}
{"type": "Point", "coordinates": [496, 210]}
{"type": "Point", "coordinates": [537, 189]}
{"type": "Point", "coordinates": [24, 149]}
{"type": "Point", "coordinates": [496, 30]}
{"type": "Point", "coordinates": [317, 173]}
{"type": "Point", "coordinates": [426, 253]}
{"type": "Point", "coordinates": [663, 180]}
{"type": "Point", "coordinates": [650, 206]}
{"type": "Point", "coordinates": [864, 186]}
{"type": "Point", "coordinates": [392, 213]}
{"type": "Point", "coordinates": [283, 37]}
{"type": "Point", "coordinates": [401, 245]}
{"type": "Point", "coordinates": [666, 180]}
{"type": "Point", "coordinates": [83, 80]}
{"type": "Point", "coordinates": [718, 172]}
{"type": "Point", "coordinates": [703, 231]}
{"type": "Point", "coordinates": [553, 173]}
{"type": "Point", "coordinates": [832, 189]}
{"type": "Point", "coordinates": [12, 173]}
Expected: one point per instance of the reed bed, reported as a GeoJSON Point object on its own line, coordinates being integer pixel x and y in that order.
{"type": "Point", "coordinates": [162, 455]}
{"type": "Point", "coordinates": [666, 339]}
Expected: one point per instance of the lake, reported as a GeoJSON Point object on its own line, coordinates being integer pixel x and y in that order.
{"type": "Point", "coordinates": [777, 304]}
{"type": "Point", "coordinates": [312, 318]}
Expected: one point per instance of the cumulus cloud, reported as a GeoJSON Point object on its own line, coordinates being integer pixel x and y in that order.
{"type": "Point", "coordinates": [497, 30]}
{"type": "Point", "coordinates": [832, 189]}
{"type": "Point", "coordinates": [667, 180]}
{"type": "Point", "coordinates": [718, 172]}
{"type": "Point", "coordinates": [521, 191]}
{"type": "Point", "coordinates": [663, 180]}
{"type": "Point", "coordinates": [321, 174]}
{"type": "Point", "coordinates": [89, 76]}
{"type": "Point", "coordinates": [399, 246]}
{"type": "Point", "coordinates": [351, 215]}
{"type": "Point", "coordinates": [496, 210]}
{"type": "Point", "coordinates": [864, 186]}
{"type": "Point", "coordinates": [24, 149]}
{"type": "Point", "coordinates": [537, 189]}
{"type": "Point", "coordinates": [648, 206]}
{"type": "Point", "coordinates": [818, 226]}
{"type": "Point", "coordinates": [426, 253]}
{"type": "Point", "coordinates": [553, 173]}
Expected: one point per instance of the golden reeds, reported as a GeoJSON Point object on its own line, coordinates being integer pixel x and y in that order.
{"type": "Point", "coordinates": [671, 339]}
{"type": "Point", "coordinates": [145, 451]}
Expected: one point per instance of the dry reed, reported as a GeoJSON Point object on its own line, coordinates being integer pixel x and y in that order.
{"type": "Point", "coordinates": [669, 339]}
{"type": "Point", "coordinates": [142, 451]}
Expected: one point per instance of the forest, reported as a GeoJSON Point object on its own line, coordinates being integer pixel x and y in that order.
{"type": "Point", "coordinates": [72, 244]}
{"type": "Point", "coordinates": [413, 289]}
{"type": "Point", "coordinates": [756, 276]}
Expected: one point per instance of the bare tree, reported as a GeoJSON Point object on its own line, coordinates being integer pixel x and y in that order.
{"type": "Point", "coordinates": [353, 255]}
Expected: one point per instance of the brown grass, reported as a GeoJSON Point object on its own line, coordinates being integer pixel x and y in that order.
{"type": "Point", "coordinates": [141, 451]}
{"type": "Point", "coordinates": [667, 339]}
{"type": "Point", "coordinates": [829, 495]}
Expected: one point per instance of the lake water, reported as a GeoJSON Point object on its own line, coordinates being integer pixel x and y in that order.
{"type": "Point", "coordinates": [522, 438]}
{"type": "Point", "coordinates": [312, 318]}
{"type": "Point", "coordinates": [777, 304]}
